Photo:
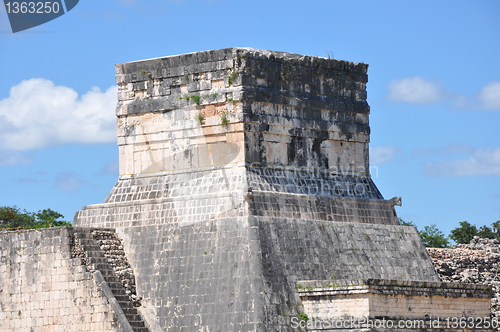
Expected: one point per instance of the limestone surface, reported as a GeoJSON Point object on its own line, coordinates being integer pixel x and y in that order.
{"type": "Point", "coordinates": [244, 174]}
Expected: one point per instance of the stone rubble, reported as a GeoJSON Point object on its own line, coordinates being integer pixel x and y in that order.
{"type": "Point", "coordinates": [112, 248]}
{"type": "Point", "coordinates": [477, 263]}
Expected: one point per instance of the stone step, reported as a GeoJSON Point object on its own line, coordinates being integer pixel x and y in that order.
{"type": "Point", "coordinates": [119, 292]}
{"type": "Point", "coordinates": [99, 259]}
{"type": "Point", "coordinates": [87, 240]}
{"type": "Point", "coordinates": [115, 286]}
{"type": "Point", "coordinates": [122, 298]}
{"type": "Point", "coordinates": [112, 280]}
{"type": "Point", "coordinates": [129, 311]}
{"type": "Point", "coordinates": [134, 318]}
{"type": "Point", "coordinates": [93, 254]}
{"type": "Point", "coordinates": [92, 249]}
{"type": "Point", "coordinates": [83, 235]}
{"type": "Point", "coordinates": [137, 324]}
{"type": "Point", "coordinates": [140, 329]}
{"type": "Point", "coordinates": [102, 266]}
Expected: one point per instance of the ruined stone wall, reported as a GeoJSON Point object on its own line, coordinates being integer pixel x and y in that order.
{"type": "Point", "coordinates": [305, 112]}
{"type": "Point", "coordinates": [243, 173]}
{"type": "Point", "coordinates": [246, 268]}
{"type": "Point", "coordinates": [231, 162]}
{"type": "Point", "coordinates": [204, 276]}
{"type": "Point", "coordinates": [296, 250]}
{"type": "Point", "coordinates": [42, 288]}
{"type": "Point", "coordinates": [401, 305]}
{"type": "Point", "coordinates": [243, 274]}
{"type": "Point", "coordinates": [184, 98]}
{"type": "Point", "coordinates": [476, 263]}
{"type": "Point", "coordinates": [290, 110]}
{"type": "Point", "coordinates": [240, 131]}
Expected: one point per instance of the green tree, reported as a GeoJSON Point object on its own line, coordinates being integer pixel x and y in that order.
{"type": "Point", "coordinates": [406, 223]}
{"type": "Point", "coordinates": [464, 233]}
{"type": "Point", "coordinates": [486, 232]}
{"type": "Point", "coordinates": [492, 232]}
{"type": "Point", "coordinates": [433, 237]}
{"type": "Point", "coordinates": [496, 229]}
{"type": "Point", "coordinates": [48, 218]}
{"type": "Point", "coordinates": [14, 217]}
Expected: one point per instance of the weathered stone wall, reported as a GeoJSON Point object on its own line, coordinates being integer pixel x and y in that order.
{"type": "Point", "coordinates": [241, 273]}
{"type": "Point", "coordinates": [240, 131]}
{"type": "Point", "coordinates": [183, 198]}
{"type": "Point", "coordinates": [243, 171]}
{"type": "Point", "coordinates": [295, 250]}
{"type": "Point", "coordinates": [42, 288]}
{"type": "Point", "coordinates": [246, 268]}
{"type": "Point", "coordinates": [253, 105]}
{"type": "Point", "coordinates": [204, 276]}
{"type": "Point", "coordinates": [474, 263]}
{"type": "Point", "coordinates": [394, 299]}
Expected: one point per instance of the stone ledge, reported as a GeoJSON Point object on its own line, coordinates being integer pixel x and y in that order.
{"type": "Point", "coordinates": [385, 286]}
{"type": "Point", "coordinates": [434, 305]}
{"type": "Point", "coordinates": [191, 62]}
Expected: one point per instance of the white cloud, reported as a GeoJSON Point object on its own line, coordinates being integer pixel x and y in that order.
{"type": "Point", "coordinates": [416, 90]}
{"type": "Point", "coordinates": [39, 114]}
{"type": "Point", "coordinates": [110, 168]}
{"type": "Point", "coordinates": [69, 181]}
{"type": "Point", "coordinates": [37, 177]}
{"type": "Point", "coordinates": [490, 96]}
{"type": "Point", "coordinates": [451, 148]}
{"type": "Point", "coordinates": [380, 154]}
{"type": "Point", "coordinates": [485, 161]}
{"type": "Point", "coordinates": [13, 158]}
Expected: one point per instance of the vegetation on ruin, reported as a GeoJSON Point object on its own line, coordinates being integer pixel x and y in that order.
{"type": "Point", "coordinates": [194, 98]}
{"type": "Point", "coordinates": [12, 217]}
{"type": "Point", "coordinates": [232, 77]}
{"type": "Point", "coordinates": [435, 238]}
{"type": "Point", "coordinates": [201, 118]}
{"type": "Point", "coordinates": [303, 317]}
{"type": "Point", "coordinates": [466, 232]}
{"type": "Point", "coordinates": [223, 119]}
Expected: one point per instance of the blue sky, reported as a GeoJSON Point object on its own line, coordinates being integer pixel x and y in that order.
{"type": "Point", "coordinates": [434, 92]}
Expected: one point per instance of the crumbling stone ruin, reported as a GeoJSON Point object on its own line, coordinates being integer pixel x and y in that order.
{"type": "Point", "coordinates": [476, 263]}
{"type": "Point", "coordinates": [244, 203]}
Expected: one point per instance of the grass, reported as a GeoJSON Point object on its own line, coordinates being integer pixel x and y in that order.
{"type": "Point", "coordinates": [201, 118]}
{"type": "Point", "coordinates": [223, 119]}
{"type": "Point", "coordinates": [232, 77]}
{"type": "Point", "coordinates": [145, 72]}
{"type": "Point", "coordinates": [303, 316]}
{"type": "Point", "coordinates": [307, 288]}
{"type": "Point", "coordinates": [194, 98]}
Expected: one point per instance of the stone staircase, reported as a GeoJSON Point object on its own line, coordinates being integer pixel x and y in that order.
{"type": "Point", "coordinates": [101, 250]}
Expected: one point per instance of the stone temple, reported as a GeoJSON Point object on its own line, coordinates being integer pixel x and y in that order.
{"type": "Point", "coordinates": [244, 203]}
